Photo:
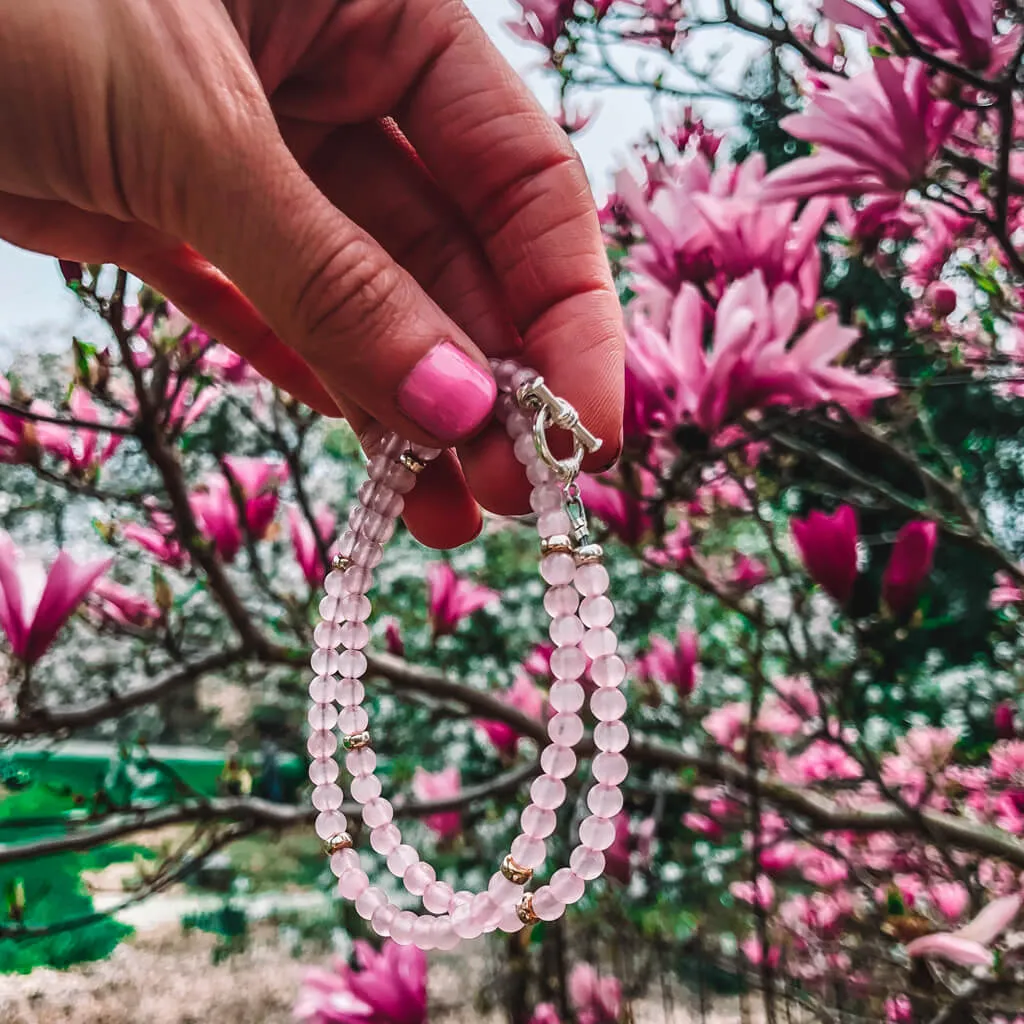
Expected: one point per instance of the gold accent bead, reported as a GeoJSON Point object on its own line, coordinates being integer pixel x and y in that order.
{"type": "Point", "coordinates": [514, 872]}
{"type": "Point", "coordinates": [412, 461]}
{"type": "Point", "coordinates": [558, 543]}
{"type": "Point", "coordinates": [339, 841]}
{"type": "Point", "coordinates": [356, 740]}
{"type": "Point", "coordinates": [589, 554]}
{"type": "Point", "coordinates": [341, 562]}
{"type": "Point", "coordinates": [524, 909]}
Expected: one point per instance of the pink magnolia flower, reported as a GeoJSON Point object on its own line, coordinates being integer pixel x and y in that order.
{"type": "Point", "coordinates": [631, 849]}
{"type": "Point", "coordinates": [545, 1013]}
{"type": "Point", "coordinates": [304, 542]}
{"type": "Point", "coordinates": [596, 1000]}
{"type": "Point", "coordinates": [522, 695]}
{"type": "Point", "coordinates": [393, 638]}
{"type": "Point", "coordinates": [625, 516]}
{"type": "Point", "coordinates": [439, 786]}
{"type": "Point", "coordinates": [1004, 720]}
{"type": "Point", "coordinates": [909, 565]}
{"type": "Point", "coordinates": [217, 517]}
{"type": "Point", "coordinates": [123, 606]}
{"type": "Point", "coordinates": [876, 132]}
{"type": "Point", "coordinates": [22, 439]}
{"type": "Point", "coordinates": [727, 724]}
{"type": "Point", "coordinates": [702, 825]}
{"type": "Point", "coordinates": [84, 451]}
{"type": "Point", "coordinates": [157, 539]}
{"type": "Point", "coordinates": [753, 949]}
{"type": "Point", "coordinates": [35, 605]}
{"type": "Point", "coordinates": [676, 665]}
{"type": "Point", "coordinates": [389, 988]}
{"type": "Point", "coordinates": [746, 573]}
{"type": "Point", "coordinates": [258, 481]}
{"type": "Point", "coordinates": [970, 945]}
{"type": "Point", "coordinates": [1006, 591]}
{"type": "Point", "coordinates": [538, 661]}
{"type": "Point", "coordinates": [828, 549]}
{"type": "Point", "coordinates": [452, 599]}
{"type": "Point", "coordinates": [951, 899]}
{"type": "Point", "coordinates": [189, 403]}
{"type": "Point", "coordinates": [543, 21]}
{"type": "Point", "coordinates": [220, 362]}
{"type": "Point", "coordinates": [762, 894]}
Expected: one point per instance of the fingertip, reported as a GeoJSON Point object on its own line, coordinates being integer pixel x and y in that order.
{"type": "Point", "coordinates": [494, 475]}
{"type": "Point", "coordinates": [439, 511]}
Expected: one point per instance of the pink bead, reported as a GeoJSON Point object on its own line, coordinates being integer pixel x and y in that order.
{"type": "Point", "coordinates": [437, 897]}
{"type": "Point", "coordinates": [591, 580]}
{"type": "Point", "coordinates": [324, 663]}
{"type": "Point", "coordinates": [400, 859]}
{"type": "Point", "coordinates": [538, 822]}
{"type": "Point", "coordinates": [349, 691]}
{"type": "Point", "coordinates": [538, 473]}
{"type": "Point", "coordinates": [566, 728]}
{"type": "Point", "coordinates": [322, 689]}
{"type": "Point", "coordinates": [352, 718]}
{"type": "Point", "coordinates": [330, 609]}
{"type": "Point", "coordinates": [599, 642]}
{"type": "Point", "coordinates": [381, 920]}
{"type": "Point", "coordinates": [444, 935]}
{"type": "Point", "coordinates": [608, 670]}
{"type": "Point", "coordinates": [356, 607]}
{"type": "Point", "coordinates": [554, 524]}
{"type": "Point", "coordinates": [604, 800]}
{"type": "Point", "coordinates": [334, 585]}
{"type": "Point", "coordinates": [524, 375]}
{"type": "Point", "coordinates": [559, 762]}
{"type": "Point", "coordinates": [566, 631]}
{"type": "Point", "coordinates": [586, 863]}
{"type": "Point", "coordinates": [612, 736]}
{"type": "Point", "coordinates": [597, 833]}
{"type": "Point", "coordinates": [609, 767]}
{"type": "Point", "coordinates": [323, 770]}
{"type": "Point", "coordinates": [461, 898]}
{"type": "Point", "coordinates": [528, 852]}
{"type": "Point", "coordinates": [322, 717]}
{"type": "Point", "coordinates": [510, 922]}
{"type": "Point", "coordinates": [485, 912]}
{"type": "Point", "coordinates": [353, 883]}
{"type": "Point", "coordinates": [546, 498]}
{"type": "Point", "coordinates": [378, 812]}
{"type": "Point", "coordinates": [356, 580]}
{"type": "Point", "coordinates": [330, 823]}
{"type": "Point", "coordinates": [566, 695]}
{"type": "Point", "coordinates": [402, 926]}
{"type": "Point", "coordinates": [380, 498]}
{"type": "Point", "coordinates": [464, 924]}
{"type": "Point", "coordinates": [367, 553]}
{"type": "Point", "coordinates": [524, 449]}
{"type": "Point", "coordinates": [327, 797]}
{"type": "Point", "coordinates": [568, 663]}
{"type": "Point", "coordinates": [361, 762]}
{"type": "Point", "coordinates": [347, 544]}
{"type": "Point", "coordinates": [568, 887]}
{"type": "Point", "coordinates": [400, 479]}
{"type": "Point", "coordinates": [503, 370]}
{"type": "Point", "coordinates": [355, 635]}
{"type": "Point", "coordinates": [546, 905]}
{"type": "Point", "coordinates": [352, 664]}
{"type": "Point", "coordinates": [424, 933]}
{"type": "Point", "coordinates": [384, 838]}
{"type": "Point", "coordinates": [502, 891]}
{"type": "Point", "coordinates": [558, 568]}
{"type": "Point", "coordinates": [608, 705]}
{"type": "Point", "coordinates": [321, 744]}
{"type": "Point", "coordinates": [517, 424]}
{"type": "Point", "coordinates": [597, 611]}
{"type": "Point", "coordinates": [327, 634]}
{"type": "Point", "coordinates": [547, 791]}
{"type": "Point", "coordinates": [559, 601]}
{"type": "Point", "coordinates": [344, 860]}
{"type": "Point", "coordinates": [370, 900]}
{"type": "Point", "coordinates": [417, 877]}
{"type": "Point", "coordinates": [364, 788]}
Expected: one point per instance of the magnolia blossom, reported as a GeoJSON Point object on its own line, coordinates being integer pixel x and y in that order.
{"type": "Point", "coordinates": [452, 599]}
{"type": "Point", "coordinates": [524, 696]}
{"type": "Point", "coordinates": [543, 21]}
{"type": "Point", "coordinates": [596, 1000]}
{"type": "Point", "coordinates": [393, 638]}
{"type": "Point", "coordinates": [122, 606]}
{"type": "Point", "coordinates": [909, 566]}
{"type": "Point", "coordinates": [545, 1013]}
{"type": "Point", "coordinates": [632, 848]}
{"type": "Point", "coordinates": [1006, 591]}
{"type": "Point", "coordinates": [970, 945]}
{"type": "Point", "coordinates": [35, 604]}
{"type": "Point", "coordinates": [158, 539]}
{"type": "Point", "coordinates": [828, 549]}
{"type": "Point", "coordinates": [439, 786]}
{"type": "Point", "coordinates": [389, 988]}
{"type": "Point", "coordinates": [22, 439]}
{"type": "Point", "coordinates": [876, 132]}
{"type": "Point", "coordinates": [304, 543]}
{"type": "Point", "coordinates": [676, 664]}
{"type": "Point", "coordinates": [625, 516]}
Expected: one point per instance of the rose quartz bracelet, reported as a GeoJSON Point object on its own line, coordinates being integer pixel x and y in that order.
{"type": "Point", "coordinates": [581, 616]}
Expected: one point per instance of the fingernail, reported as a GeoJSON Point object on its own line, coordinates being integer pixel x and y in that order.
{"type": "Point", "coordinates": [447, 394]}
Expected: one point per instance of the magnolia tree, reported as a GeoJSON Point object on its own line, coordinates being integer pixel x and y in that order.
{"type": "Point", "coordinates": [814, 527]}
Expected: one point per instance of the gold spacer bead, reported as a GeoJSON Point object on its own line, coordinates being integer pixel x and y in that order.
{"type": "Point", "coordinates": [524, 909]}
{"type": "Point", "coordinates": [412, 462]}
{"type": "Point", "coordinates": [339, 841]}
{"type": "Point", "coordinates": [558, 543]}
{"type": "Point", "coordinates": [589, 554]}
{"type": "Point", "coordinates": [341, 562]}
{"type": "Point", "coordinates": [514, 872]}
{"type": "Point", "coordinates": [356, 740]}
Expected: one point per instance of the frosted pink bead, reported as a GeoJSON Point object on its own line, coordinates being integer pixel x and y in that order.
{"type": "Point", "coordinates": [558, 568]}
{"type": "Point", "coordinates": [566, 695]}
{"type": "Point", "coordinates": [355, 635]}
{"type": "Point", "coordinates": [381, 920]}
{"type": "Point", "coordinates": [510, 922]}
{"type": "Point", "coordinates": [378, 812]}
{"type": "Point", "coordinates": [552, 524]}
{"type": "Point", "coordinates": [321, 744]}
{"type": "Point", "coordinates": [599, 642]}
{"type": "Point", "coordinates": [485, 912]}
{"type": "Point", "coordinates": [566, 728]}
{"type": "Point", "coordinates": [547, 791]}
{"type": "Point", "coordinates": [538, 473]}
{"type": "Point", "coordinates": [327, 797]}
{"type": "Point", "coordinates": [361, 762]}
{"type": "Point", "coordinates": [398, 478]}
{"type": "Point", "coordinates": [610, 768]}
{"type": "Point", "coordinates": [379, 498]}
{"type": "Point", "coordinates": [322, 716]}
{"type": "Point", "coordinates": [502, 891]}
{"type": "Point", "coordinates": [400, 859]}
{"type": "Point", "coordinates": [334, 585]}
{"type": "Point", "coordinates": [528, 852]}
{"type": "Point", "coordinates": [524, 449]}
{"type": "Point", "coordinates": [327, 634]}
{"type": "Point", "coordinates": [402, 926]}
{"type": "Point", "coordinates": [418, 876]}
{"type": "Point", "coordinates": [605, 800]}
{"type": "Point", "coordinates": [464, 923]}
{"type": "Point", "coordinates": [560, 601]}
{"type": "Point", "coordinates": [523, 375]}
{"type": "Point", "coordinates": [347, 544]}
{"type": "Point", "coordinates": [462, 897]}
{"type": "Point", "coordinates": [612, 736]}
{"type": "Point", "coordinates": [424, 933]}
{"type": "Point", "coordinates": [365, 788]}
{"type": "Point", "coordinates": [444, 935]}
{"type": "Point", "coordinates": [437, 897]}
{"type": "Point", "coordinates": [566, 631]}
{"type": "Point", "coordinates": [538, 822]}
{"type": "Point", "coordinates": [546, 498]}
{"type": "Point", "coordinates": [356, 607]}
{"type": "Point", "coordinates": [597, 833]}
{"type": "Point", "coordinates": [568, 663]}
{"type": "Point", "coordinates": [322, 689]}
{"type": "Point", "coordinates": [384, 838]}
{"type": "Point", "coordinates": [591, 580]}
{"type": "Point", "coordinates": [352, 883]}
{"type": "Point", "coordinates": [356, 580]}
{"type": "Point", "coordinates": [324, 663]}
{"type": "Point", "coordinates": [330, 609]}
{"type": "Point", "coordinates": [608, 704]}
{"type": "Point", "coordinates": [352, 664]}
{"type": "Point", "coordinates": [597, 611]}
{"type": "Point", "coordinates": [559, 762]}
{"type": "Point", "coordinates": [323, 769]}
{"type": "Point", "coordinates": [608, 670]}
{"type": "Point", "coordinates": [352, 718]}
{"type": "Point", "coordinates": [568, 887]}
{"type": "Point", "coordinates": [367, 553]}
{"type": "Point", "coordinates": [586, 863]}
{"type": "Point", "coordinates": [344, 860]}
{"type": "Point", "coordinates": [517, 424]}
{"type": "Point", "coordinates": [546, 905]}
{"type": "Point", "coordinates": [349, 691]}
{"type": "Point", "coordinates": [370, 900]}
{"type": "Point", "coordinates": [503, 371]}
{"type": "Point", "coordinates": [330, 823]}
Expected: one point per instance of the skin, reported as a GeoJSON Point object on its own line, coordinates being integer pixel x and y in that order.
{"type": "Point", "coordinates": [330, 187]}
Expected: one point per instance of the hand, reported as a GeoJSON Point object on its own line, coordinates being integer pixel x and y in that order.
{"type": "Point", "coordinates": [348, 246]}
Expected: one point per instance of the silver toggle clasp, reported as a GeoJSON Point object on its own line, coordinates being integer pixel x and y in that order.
{"type": "Point", "coordinates": [554, 411]}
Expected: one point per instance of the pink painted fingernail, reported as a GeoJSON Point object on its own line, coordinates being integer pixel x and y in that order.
{"type": "Point", "coordinates": [447, 393]}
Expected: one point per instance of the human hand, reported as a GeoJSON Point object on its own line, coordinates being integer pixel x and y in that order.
{"type": "Point", "coordinates": [347, 247]}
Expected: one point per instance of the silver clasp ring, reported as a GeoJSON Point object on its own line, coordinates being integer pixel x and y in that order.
{"type": "Point", "coordinates": [554, 411]}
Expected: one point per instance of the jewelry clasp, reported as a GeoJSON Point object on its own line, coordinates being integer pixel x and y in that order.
{"type": "Point", "coordinates": [554, 411]}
